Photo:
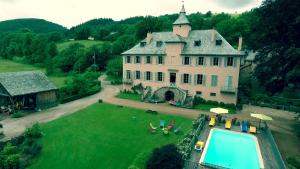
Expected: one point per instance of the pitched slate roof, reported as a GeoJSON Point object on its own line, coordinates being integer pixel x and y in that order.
{"type": "Point", "coordinates": [182, 19]}
{"type": "Point", "coordinates": [28, 82]}
{"type": "Point", "coordinates": [207, 46]}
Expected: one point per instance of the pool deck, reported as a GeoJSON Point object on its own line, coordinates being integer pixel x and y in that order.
{"type": "Point", "coordinates": [270, 157]}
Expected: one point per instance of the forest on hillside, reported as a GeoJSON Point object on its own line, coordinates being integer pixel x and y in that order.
{"type": "Point", "coordinates": [271, 29]}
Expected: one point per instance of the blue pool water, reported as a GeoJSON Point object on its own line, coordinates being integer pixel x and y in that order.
{"type": "Point", "coordinates": [232, 150]}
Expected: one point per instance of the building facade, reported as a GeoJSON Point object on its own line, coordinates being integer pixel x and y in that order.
{"type": "Point", "coordinates": [184, 62]}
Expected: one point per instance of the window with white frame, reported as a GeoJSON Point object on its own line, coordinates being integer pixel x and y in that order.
{"type": "Point", "coordinates": [137, 59]}
{"type": "Point", "coordinates": [230, 61]}
{"type": "Point", "coordinates": [148, 75]}
{"type": "Point", "coordinates": [159, 76]}
{"type": "Point", "coordinates": [128, 59]}
{"type": "Point", "coordinates": [128, 74]}
{"type": "Point", "coordinates": [186, 60]}
{"type": "Point", "coordinates": [160, 60]}
{"type": "Point", "coordinates": [215, 61]}
{"type": "Point", "coordinates": [186, 78]}
{"type": "Point", "coordinates": [200, 60]}
{"type": "Point", "coordinates": [137, 74]}
{"type": "Point", "coordinates": [148, 59]}
{"type": "Point", "coordinates": [199, 78]}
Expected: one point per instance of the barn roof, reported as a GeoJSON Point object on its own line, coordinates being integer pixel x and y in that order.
{"type": "Point", "coordinates": [28, 82]}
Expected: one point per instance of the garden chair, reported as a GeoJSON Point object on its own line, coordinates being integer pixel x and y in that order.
{"type": "Point", "coordinates": [172, 125]}
{"type": "Point", "coordinates": [252, 129]}
{"type": "Point", "coordinates": [162, 124]}
{"type": "Point", "coordinates": [199, 146]}
{"type": "Point", "coordinates": [212, 122]}
{"type": "Point", "coordinates": [177, 130]}
{"type": "Point", "coordinates": [228, 124]}
{"type": "Point", "coordinates": [244, 126]}
{"type": "Point", "coordinates": [165, 131]}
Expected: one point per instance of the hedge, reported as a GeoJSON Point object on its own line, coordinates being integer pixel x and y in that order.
{"type": "Point", "coordinates": [79, 96]}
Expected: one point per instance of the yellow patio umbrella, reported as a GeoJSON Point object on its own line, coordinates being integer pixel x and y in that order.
{"type": "Point", "coordinates": [261, 117]}
{"type": "Point", "coordinates": [219, 110]}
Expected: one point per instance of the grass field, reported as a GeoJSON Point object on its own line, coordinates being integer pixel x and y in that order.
{"type": "Point", "coordinates": [129, 96]}
{"type": "Point", "coordinates": [104, 136]}
{"type": "Point", "coordinates": [86, 43]}
{"type": "Point", "coordinates": [11, 66]}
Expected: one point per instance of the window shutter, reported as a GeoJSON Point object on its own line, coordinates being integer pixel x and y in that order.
{"type": "Point", "coordinates": [197, 61]}
{"type": "Point", "coordinates": [163, 60]}
{"type": "Point", "coordinates": [190, 79]}
{"type": "Point", "coordinates": [163, 77]}
{"type": "Point", "coordinates": [181, 78]}
{"type": "Point", "coordinates": [190, 60]}
{"type": "Point", "coordinates": [204, 79]}
{"type": "Point", "coordinates": [156, 59]}
{"type": "Point", "coordinates": [145, 76]}
{"type": "Point", "coordinates": [182, 60]}
{"type": "Point", "coordinates": [225, 61]}
{"type": "Point", "coordinates": [151, 78]}
{"type": "Point", "coordinates": [195, 79]}
{"type": "Point", "coordinates": [141, 75]}
{"type": "Point", "coordinates": [211, 61]}
{"type": "Point", "coordinates": [204, 60]}
{"type": "Point", "coordinates": [234, 61]}
{"type": "Point", "coordinates": [220, 61]}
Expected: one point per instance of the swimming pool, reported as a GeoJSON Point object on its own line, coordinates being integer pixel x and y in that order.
{"type": "Point", "coordinates": [228, 149]}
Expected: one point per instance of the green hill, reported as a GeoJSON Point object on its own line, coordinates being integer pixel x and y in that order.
{"type": "Point", "coordinates": [36, 25]}
{"type": "Point", "coordinates": [86, 43]}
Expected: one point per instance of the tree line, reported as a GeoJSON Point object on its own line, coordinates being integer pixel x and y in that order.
{"type": "Point", "coordinates": [271, 29]}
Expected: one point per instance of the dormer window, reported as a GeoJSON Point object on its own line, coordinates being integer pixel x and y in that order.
{"type": "Point", "coordinates": [218, 42]}
{"type": "Point", "coordinates": [197, 43]}
{"type": "Point", "coordinates": [142, 44]}
{"type": "Point", "coordinates": [159, 43]}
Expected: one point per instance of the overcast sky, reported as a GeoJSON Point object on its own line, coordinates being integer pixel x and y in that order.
{"type": "Point", "coordinates": [72, 12]}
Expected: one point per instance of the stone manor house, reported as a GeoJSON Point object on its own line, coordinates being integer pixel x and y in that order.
{"type": "Point", "coordinates": [184, 63]}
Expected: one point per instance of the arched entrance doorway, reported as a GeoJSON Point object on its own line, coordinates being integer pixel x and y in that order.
{"type": "Point", "coordinates": [169, 95]}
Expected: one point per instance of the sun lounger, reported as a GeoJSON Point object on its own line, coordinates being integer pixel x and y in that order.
{"type": "Point", "coordinates": [171, 125]}
{"type": "Point", "coordinates": [152, 127]}
{"type": "Point", "coordinates": [165, 131]}
{"type": "Point", "coordinates": [177, 130]}
{"type": "Point", "coordinates": [228, 124]}
{"type": "Point", "coordinates": [162, 124]}
{"type": "Point", "coordinates": [252, 129]}
{"type": "Point", "coordinates": [244, 126]}
{"type": "Point", "coordinates": [212, 122]}
{"type": "Point", "coordinates": [199, 146]}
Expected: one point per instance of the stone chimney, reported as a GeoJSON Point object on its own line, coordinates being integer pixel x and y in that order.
{"type": "Point", "coordinates": [240, 43]}
{"type": "Point", "coordinates": [213, 35]}
{"type": "Point", "coordinates": [149, 37]}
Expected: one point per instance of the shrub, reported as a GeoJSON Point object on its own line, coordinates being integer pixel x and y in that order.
{"type": "Point", "coordinates": [33, 132]}
{"type": "Point", "coordinates": [166, 157]}
{"type": "Point", "coordinates": [100, 101]}
{"type": "Point", "coordinates": [17, 115]}
{"type": "Point", "coordinates": [33, 149]}
{"type": "Point", "coordinates": [293, 162]}
{"type": "Point", "coordinates": [151, 112]}
{"type": "Point", "coordinates": [1, 125]}
{"type": "Point", "coordinates": [199, 100]}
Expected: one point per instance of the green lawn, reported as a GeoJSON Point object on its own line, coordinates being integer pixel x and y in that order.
{"type": "Point", "coordinates": [12, 66]}
{"type": "Point", "coordinates": [86, 43]}
{"type": "Point", "coordinates": [129, 96]}
{"type": "Point", "coordinates": [103, 136]}
{"type": "Point", "coordinates": [207, 107]}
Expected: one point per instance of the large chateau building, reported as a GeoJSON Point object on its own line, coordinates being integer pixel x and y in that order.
{"type": "Point", "coordinates": [184, 63]}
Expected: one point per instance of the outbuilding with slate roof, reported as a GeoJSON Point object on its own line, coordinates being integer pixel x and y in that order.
{"type": "Point", "coordinates": [27, 90]}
